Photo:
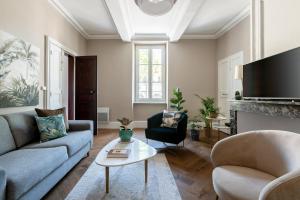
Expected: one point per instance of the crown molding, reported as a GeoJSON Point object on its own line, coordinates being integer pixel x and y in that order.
{"type": "Point", "coordinates": [59, 7]}
{"type": "Point", "coordinates": [126, 25]}
{"type": "Point", "coordinates": [232, 23]}
{"type": "Point", "coordinates": [198, 37]}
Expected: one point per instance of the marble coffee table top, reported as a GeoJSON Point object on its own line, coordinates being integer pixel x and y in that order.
{"type": "Point", "coordinates": [139, 151]}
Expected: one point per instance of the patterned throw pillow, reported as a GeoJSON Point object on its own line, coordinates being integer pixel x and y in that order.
{"type": "Point", "coordinates": [170, 119]}
{"type": "Point", "coordinates": [51, 127]}
{"type": "Point", "coordinates": [47, 113]}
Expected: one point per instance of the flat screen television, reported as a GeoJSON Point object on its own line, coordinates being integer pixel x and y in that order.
{"type": "Point", "coordinates": [275, 77]}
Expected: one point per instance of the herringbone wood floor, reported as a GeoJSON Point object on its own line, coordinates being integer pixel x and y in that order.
{"type": "Point", "coordinates": [190, 166]}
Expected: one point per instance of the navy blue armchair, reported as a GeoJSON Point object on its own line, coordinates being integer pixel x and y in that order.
{"type": "Point", "coordinates": [169, 135]}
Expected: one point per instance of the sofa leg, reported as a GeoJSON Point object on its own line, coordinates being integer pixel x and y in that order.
{"type": "Point", "coordinates": [183, 143]}
{"type": "Point", "coordinates": [147, 140]}
{"type": "Point", "coordinates": [217, 197]}
{"type": "Point", "coordinates": [88, 154]}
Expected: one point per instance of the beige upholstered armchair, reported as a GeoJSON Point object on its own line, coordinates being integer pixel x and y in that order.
{"type": "Point", "coordinates": [257, 165]}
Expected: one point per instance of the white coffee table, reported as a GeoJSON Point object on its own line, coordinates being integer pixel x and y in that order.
{"type": "Point", "coordinates": [140, 151]}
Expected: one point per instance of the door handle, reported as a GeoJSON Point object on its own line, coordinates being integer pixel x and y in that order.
{"type": "Point", "coordinates": [92, 92]}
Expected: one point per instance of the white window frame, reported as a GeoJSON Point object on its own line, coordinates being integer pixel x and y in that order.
{"type": "Point", "coordinates": [136, 75]}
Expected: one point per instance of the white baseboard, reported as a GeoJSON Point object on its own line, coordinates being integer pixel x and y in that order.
{"type": "Point", "coordinates": [116, 125]}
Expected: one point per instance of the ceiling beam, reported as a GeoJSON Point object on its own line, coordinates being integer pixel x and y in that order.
{"type": "Point", "coordinates": [184, 14]}
{"type": "Point", "coordinates": [119, 12]}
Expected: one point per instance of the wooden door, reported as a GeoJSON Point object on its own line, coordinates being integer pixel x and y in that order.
{"type": "Point", "coordinates": [86, 89]}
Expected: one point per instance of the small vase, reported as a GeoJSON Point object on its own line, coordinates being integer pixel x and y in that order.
{"type": "Point", "coordinates": [125, 135]}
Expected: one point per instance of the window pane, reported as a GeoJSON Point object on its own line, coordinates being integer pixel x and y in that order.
{"type": "Point", "coordinates": [143, 56]}
{"type": "Point", "coordinates": [143, 75]}
{"type": "Point", "coordinates": [156, 95]}
{"type": "Point", "coordinates": [143, 87]}
{"type": "Point", "coordinates": [156, 87]}
{"type": "Point", "coordinates": [157, 73]}
{"type": "Point", "coordinates": [156, 56]}
{"type": "Point", "coordinates": [143, 95]}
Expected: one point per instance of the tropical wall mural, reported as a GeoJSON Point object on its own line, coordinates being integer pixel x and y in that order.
{"type": "Point", "coordinates": [19, 72]}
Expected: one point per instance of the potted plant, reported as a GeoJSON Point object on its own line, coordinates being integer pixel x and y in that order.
{"type": "Point", "coordinates": [194, 129]}
{"type": "Point", "coordinates": [209, 109]}
{"type": "Point", "coordinates": [177, 100]}
{"type": "Point", "coordinates": [125, 133]}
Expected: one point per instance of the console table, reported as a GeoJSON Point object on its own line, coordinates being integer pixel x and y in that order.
{"type": "Point", "coordinates": [288, 109]}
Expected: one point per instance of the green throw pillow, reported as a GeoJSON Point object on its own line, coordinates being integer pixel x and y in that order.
{"type": "Point", "coordinates": [51, 127]}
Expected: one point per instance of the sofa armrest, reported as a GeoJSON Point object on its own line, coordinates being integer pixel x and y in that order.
{"type": "Point", "coordinates": [2, 184]}
{"type": "Point", "coordinates": [237, 150]}
{"type": "Point", "coordinates": [154, 121]}
{"type": "Point", "coordinates": [81, 125]}
{"type": "Point", "coordinates": [284, 187]}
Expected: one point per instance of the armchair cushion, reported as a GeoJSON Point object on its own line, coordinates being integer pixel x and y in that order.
{"type": "Point", "coordinates": [170, 119]}
{"type": "Point", "coordinates": [239, 183]}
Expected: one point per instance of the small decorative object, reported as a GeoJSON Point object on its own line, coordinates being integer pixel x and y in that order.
{"type": "Point", "coordinates": [238, 95]}
{"type": "Point", "coordinates": [177, 100]}
{"type": "Point", "coordinates": [209, 109]}
{"type": "Point", "coordinates": [194, 129]}
{"type": "Point", "coordinates": [125, 133]}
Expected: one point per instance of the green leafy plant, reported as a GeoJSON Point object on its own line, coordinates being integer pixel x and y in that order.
{"type": "Point", "coordinates": [208, 109]}
{"type": "Point", "coordinates": [125, 122]}
{"type": "Point", "coordinates": [194, 124]}
{"type": "Point", "coordinates": [177, 100]}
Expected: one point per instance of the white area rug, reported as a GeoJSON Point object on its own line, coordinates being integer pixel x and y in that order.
{"type": "Point", "coordinates": [127, 182]}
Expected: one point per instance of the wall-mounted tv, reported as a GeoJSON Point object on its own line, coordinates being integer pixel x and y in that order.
{"type": "Point", "coordinates": [275, 77]}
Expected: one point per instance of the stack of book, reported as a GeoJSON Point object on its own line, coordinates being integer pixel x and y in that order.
{"type": "Point", "coordinates": [118, 153]}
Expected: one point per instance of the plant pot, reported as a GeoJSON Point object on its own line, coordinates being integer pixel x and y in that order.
{"type": "Point", "coordinates": [213, 115]}
{"type": "Point", "coordinates": [207, 132]}
{"type": "Point", "coordinates": [195, 134]}
{"type": "Point", "coordinates": [125, 135]}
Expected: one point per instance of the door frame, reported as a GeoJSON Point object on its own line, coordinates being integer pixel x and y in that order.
{"type": "Point", "coordinates": [49, 41]}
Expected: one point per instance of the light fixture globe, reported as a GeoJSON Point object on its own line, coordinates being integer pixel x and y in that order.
{"type": "Point", "coordinates": [155, 7]}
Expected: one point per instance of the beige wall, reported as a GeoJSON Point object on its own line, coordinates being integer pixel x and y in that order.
{"type": "Point", "coordinates": [235, 40]}
{"type": "Point", "coordinates": [281, 26]}
{"type": "Point", "coordinates": [31, 20]}
{"type": "Point", "coordinates": [192, 67]}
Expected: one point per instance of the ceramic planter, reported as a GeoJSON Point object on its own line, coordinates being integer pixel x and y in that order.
{"type": "Point", "coordinates": [125, 134]}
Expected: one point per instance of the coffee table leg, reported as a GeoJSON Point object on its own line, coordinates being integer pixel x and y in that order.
{"type": "Point", "coordinates": [107, 179]}
{"type": "Point", "coordinates": [146, 171]}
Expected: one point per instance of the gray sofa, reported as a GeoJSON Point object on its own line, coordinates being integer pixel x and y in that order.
{"type": "Point", "coordinates": [28, 168]}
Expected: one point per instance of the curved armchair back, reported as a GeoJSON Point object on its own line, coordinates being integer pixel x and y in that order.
{"type": "Point", "coordinates": [272, 151]}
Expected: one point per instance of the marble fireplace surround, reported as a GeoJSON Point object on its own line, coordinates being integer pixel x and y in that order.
{"type": "Point", "coordinates": [288, 109]}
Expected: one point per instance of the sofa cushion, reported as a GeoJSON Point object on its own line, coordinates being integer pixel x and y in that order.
{"type": "Point", "coordinates": [7, 142]}
{"type": "Point", "coordinates": [74, 141]}
{"type": "Point", "coordinates": [47, 113]}
{"type": "Point", "coordinates": [27, 167]}
{"type": "Point", "coordinates": [23, 127]}
{"type": "Point", "coordinates": [51, 127]}
{"type": "Point", "coordinates": [234, 182]}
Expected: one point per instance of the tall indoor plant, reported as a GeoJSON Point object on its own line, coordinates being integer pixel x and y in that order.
{"type": "Point", "coordinates": [208, 109]}
{"type": "Point", "coordinates": [177, 100]}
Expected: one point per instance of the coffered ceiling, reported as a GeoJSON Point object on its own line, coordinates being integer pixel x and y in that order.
{"type": "Point", "coordinates": [109, 19]}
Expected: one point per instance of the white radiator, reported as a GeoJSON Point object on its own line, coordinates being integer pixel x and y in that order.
{"type": "Point", "coordinates": [103, 114]}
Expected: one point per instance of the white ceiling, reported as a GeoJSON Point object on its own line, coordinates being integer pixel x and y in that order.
{"type": "Point", "coordinates": [100, 19]}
